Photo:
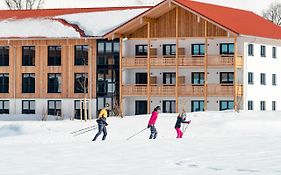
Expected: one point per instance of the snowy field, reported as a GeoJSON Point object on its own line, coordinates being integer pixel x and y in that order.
{"type": "Point", "coordinates": [216, 143]}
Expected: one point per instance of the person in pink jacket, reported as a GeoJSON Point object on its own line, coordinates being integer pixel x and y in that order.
{"type": "Point", "coordinates": [152, 121]}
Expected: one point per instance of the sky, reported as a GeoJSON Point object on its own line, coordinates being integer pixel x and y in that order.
{"type": "Point", "coordinates": [252, 5]}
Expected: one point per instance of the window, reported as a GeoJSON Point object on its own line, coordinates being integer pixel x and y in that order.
{"type": "Point", "coordinates": [263, 79]}
{"type": "Point", "coordinates": [169, 78]}
{"type": "Point", "coordinates": [54, 55]}
{"type": "Point", "coordinates": [81, 83]}
{"type": "Point", "coordinates": [141, 50]}
{"type": "Point", "coordinates": [251, 50]}
{"type": "Point", "coordinates": [250, 78]}
{"type": "Point", "coordinates": [169, 106]}
{"type": "Point", "coordinates": [28, 107]}
{"type": "Point", "coordinates": [226, 105]}
{"type": "Point", "coordinates": [141, 78]}
{"type": "Point", "coordinates": [273, 105]}
{"type": "Point", "coordinates": [4, 56]}
{"type": "Point", "coordinates": [141, 107]}
{"type": "Point", "coordinates": [54, 83]}
{"type": "Point", "coordinates": [227, 49]}
{"type": "Point", "coordinates": [274, 54]}
{"type": "Point", "coordinates": [28, 55]}
{"type": "Point", "coordinates": [28, 83]}
{"type": "Point", "coordinates": [77, 106]}
{"type": "Point", "coordinates": [198, 78]}
{"type": "Point", "coordinates": [263, 106]}
{"type": "Point", "coordinates": [197, 105]}
{"type": "Point", "coordinates": [4, 107]}
{"type": "Point", "coordinates": [250, 105]}
{"type": "Point", "coordinates": [263, 51]}
{"type": "Point", "coordinates": [54, 107]}
{"type": "Point", "coordinates": [116, 47]}
{"type": "Point", "coordinates": [274, 80]}
{"type": "Point", "coordinates": [226, 77]}
{"type": "Point", "coordinates": [198, 49]}
{"type": "Point", "coordinates": [81, 55]}
{"type": "Point", "coordinates": [4, 83]}
{"type": "Point", "coordinates": [169, 49]}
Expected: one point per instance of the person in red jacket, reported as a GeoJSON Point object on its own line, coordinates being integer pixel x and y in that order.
{"type": "Point", "coordinates": [152, 121]}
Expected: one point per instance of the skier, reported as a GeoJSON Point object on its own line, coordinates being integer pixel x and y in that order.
{"type": "Point", "coordinates": [102, 123]}
{"type": "Point", "coordinates": [181, 119]}
{"type": "Point", "coordinates": [152, 121]}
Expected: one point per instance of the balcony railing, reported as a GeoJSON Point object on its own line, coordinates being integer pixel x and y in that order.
{"type": "Point", "coordinates": [189, 61]}
{"type": "Point", "coordinates": [213, 90]}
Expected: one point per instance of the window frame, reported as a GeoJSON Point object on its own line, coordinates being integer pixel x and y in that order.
{"type": "Point", "coordinates": [56, 111]}
{"type": "Point", "coordinates": [228, 82]}
{"type": "Point", "coordinates": [4, 86]}
{"type": "Point", "coordinates": [29, 110]}
{"type": "Point", "coordinates": [138, 78]}
{"type": "Point", "coordinates": [251, 78]}
{"type": "Point", "coordinates": [200, 49]}
{"type": "Point", "coordinates": [57, 56]}
{"type": "Point", "coordinates": [77, 61]}
{"type": "Point", "coordinates": [3, 110]}
{"type": "Point", "coordinates": [165, 53]}
{"type": "Point", "coordinates": [250, 105]}
{"type": "Point", "coordinates": [52, 90]}
{"type": "Point", "coordinates": [193, 102]}
{"type": "Point", "coordinates": [171, 76]}
{"type": "Point", "coordinates": [199, 75]}
{"type": "Point", "coordinates": [171, 104]}
{"type": "Point", "coordinates": [29, 83]}
{"type": "Point", "coordinates": [228, 49]}
{"type": "Point", "coordinates": [274, 52]}
{"type": "Point", "coordinates": [31, 55]}
{"type": "Point", "coordinates": [263, 79]}
{"type": "Point", "coordinates": [143, 53]}
{"type": "Point", "coordinates": [228, 104]}
{"type": "Point", "coordinates": [273, 105]}
{"type": "Point", "coordinates": [263, 105]}
{"type": "Point", "coordinates": [274, 80]}
{"type": "Point", "coordinates": [251, 50]}
{"type": "Point", "coordinates": [263, 51]}
{"type": "Point", "coordinates": [87, 83]}
{"type": "Point", "coordinates": [4, 58]}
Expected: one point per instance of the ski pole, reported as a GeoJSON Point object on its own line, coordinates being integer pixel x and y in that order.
{"type": "Point", "coordinates": [77, 134]}
{"type": "Point", "coordinates": [136, 134]}
{"type": "Point", "coordinates": [82, 129]}
{"type": "Point", "coordinates": [185, 129]}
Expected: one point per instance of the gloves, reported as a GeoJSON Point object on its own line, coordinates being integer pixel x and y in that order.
{"type": "Point", "coordinates": [189, 122]}
{"type": "Point", "coordinates": [148, 126]}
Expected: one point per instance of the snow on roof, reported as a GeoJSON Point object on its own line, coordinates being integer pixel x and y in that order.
{"type": "Point", "coordinates": [24, 28]}
{"type": "Point", "coordinates": [99, 23]}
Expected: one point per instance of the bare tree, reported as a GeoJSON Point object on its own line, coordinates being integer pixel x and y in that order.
{"type": "Point", "coordinates": [273, 13]}
{"type": "Point", "coordinates": [24, 4]}
{"type": "Point", "coordinates": [81, 85]}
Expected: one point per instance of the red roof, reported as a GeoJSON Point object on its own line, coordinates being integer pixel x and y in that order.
{"type": "Point", "coordinates": [238, 21]}
{"type": "Point", "coordinates": [40, 13]}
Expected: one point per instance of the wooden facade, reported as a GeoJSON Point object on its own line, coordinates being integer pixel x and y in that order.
{"type": "Point", "coordinates": [41, 68]}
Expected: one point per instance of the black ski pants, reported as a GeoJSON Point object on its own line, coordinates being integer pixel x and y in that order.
{"type": "Point", "coordinates": [102, 128]}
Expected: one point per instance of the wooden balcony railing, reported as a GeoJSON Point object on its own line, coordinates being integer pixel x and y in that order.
{"type": "Point", "coordinates": [191, 90]}
{"type": "Point", "coordinates": [213, 90]}
{"type": "Point", "coordinates": [189, 61]}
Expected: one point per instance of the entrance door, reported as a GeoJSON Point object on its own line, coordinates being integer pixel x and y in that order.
{"type": "Point", "coordinates": [141, 107]}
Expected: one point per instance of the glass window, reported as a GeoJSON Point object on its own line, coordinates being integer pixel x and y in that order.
{"type": "Point", "coordinates": [198, 49]}
{"type": "Point", "coordinates": [274, 54]}
{"type": "Point", "coordinates": [250, 105]}
{"type": "Point", "coordinates": [81, 55]}
{"type": "Point", "coordinates": [226, 77]}
{"type": "Point", "coordinates": [101, 47]}
{"type": "Point", "coordinates": [141, 78]}
{"type": "Point", "coordinates": [198, 78]}
{"type": "Point", "coordinates": [227, 49]}
{"type": "Point", "coordinates": [28, 55]}
{"type": "Point", "coordinates": [141, 107]}
{"type": "Point", "coordinates": [263, 51]}
{"type": "Point", "coordinates": [108, 47]}
{"type": "Point", "coordinates": [54, 107]}
{"type": "Point", "coordinates": [4, 55]}
{"type": "Point", "coordinates": [197, 105]}
{"type": "Point", "coordinates": [263, 79]}
{"type": "Point", "coordinates": [141, 50]}
{"type": "Point", "coordinates": [54, 55]}
{"type": "Point", "coordinates": [28, 107]}
{"type": "Point", "coordinates": [28, 83]}
{"type": "Point", "coordinates": [4, 83]}
{"type": "Point", "coordinates": [169, 49]}
{"type": "Point", "coordinates": [250, 78]}
{"type": "Point", "coordinates": [262, 106]}
{"type": "Point", "coordinates": [273, 105]}
{"type": "Point", "coordinates": [4, 107]}
{"type": "Point", "coordinates": [169, 78]}
{"type": "Point", "coordinates": [169, 106]}
{"type": "Point", "coordinates": [250, 50]}
{"type": "Point", "coordinates": [81, 83]}
{"type": "Point", "coordinates": [226, 105]}
{"type": "Point", "coordinates": [54, 83]}
{"type": "Point", "coordinates": [274, 80]}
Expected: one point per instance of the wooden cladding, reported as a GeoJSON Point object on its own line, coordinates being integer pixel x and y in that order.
{"type": "Point", "coordinates": [213, 90]}
{"type": "Point", "coordinates": [190, 25]}
{"type": "Point", "coordinates": [41, 68]}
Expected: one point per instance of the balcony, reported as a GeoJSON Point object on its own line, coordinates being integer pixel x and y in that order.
{"type": "Point", "coordinates": [188, 90]}
{"type": "Point", "coordinates": [183, 61]}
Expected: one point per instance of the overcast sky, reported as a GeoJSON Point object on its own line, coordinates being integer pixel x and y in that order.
{"type": "Point", "coordinates": [252, 5]}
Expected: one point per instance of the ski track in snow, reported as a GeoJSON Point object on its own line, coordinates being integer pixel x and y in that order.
{"type": "Point", "coordinates": [216, 144]}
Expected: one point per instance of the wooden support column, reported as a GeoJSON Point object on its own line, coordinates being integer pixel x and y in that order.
{"type": "Point", "coordinates": [177, 59]}
{"type": "Point", "coordinates": [120, 75]}
{"type": "Point", "coordinates": [235, 74]}
{"type": "Point", "coordinates": [206, 69]}
{"type": "Point", "coordinates": [148, 67]}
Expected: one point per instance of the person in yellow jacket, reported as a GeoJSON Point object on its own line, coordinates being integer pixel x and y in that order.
{"type": "Point", "coordinates": [102, 123]}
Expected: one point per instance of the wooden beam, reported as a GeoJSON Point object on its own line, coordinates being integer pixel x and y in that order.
{"type": "Point", "coordinates": [151, 20]}
{"type": "Point", "coordinates": [177, 59]}
{"type": "Point", "coordinates": [120, 74]}
{"type": "Point", "coordinates": [235, 73]}
{"type": "Point", "coordinates": [206, 68]}
{"type": "Point", "coordinates": [148, 67]}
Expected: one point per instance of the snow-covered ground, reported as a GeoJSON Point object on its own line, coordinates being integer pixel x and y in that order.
{"type": "Point", "coordinates": [216, 143]}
